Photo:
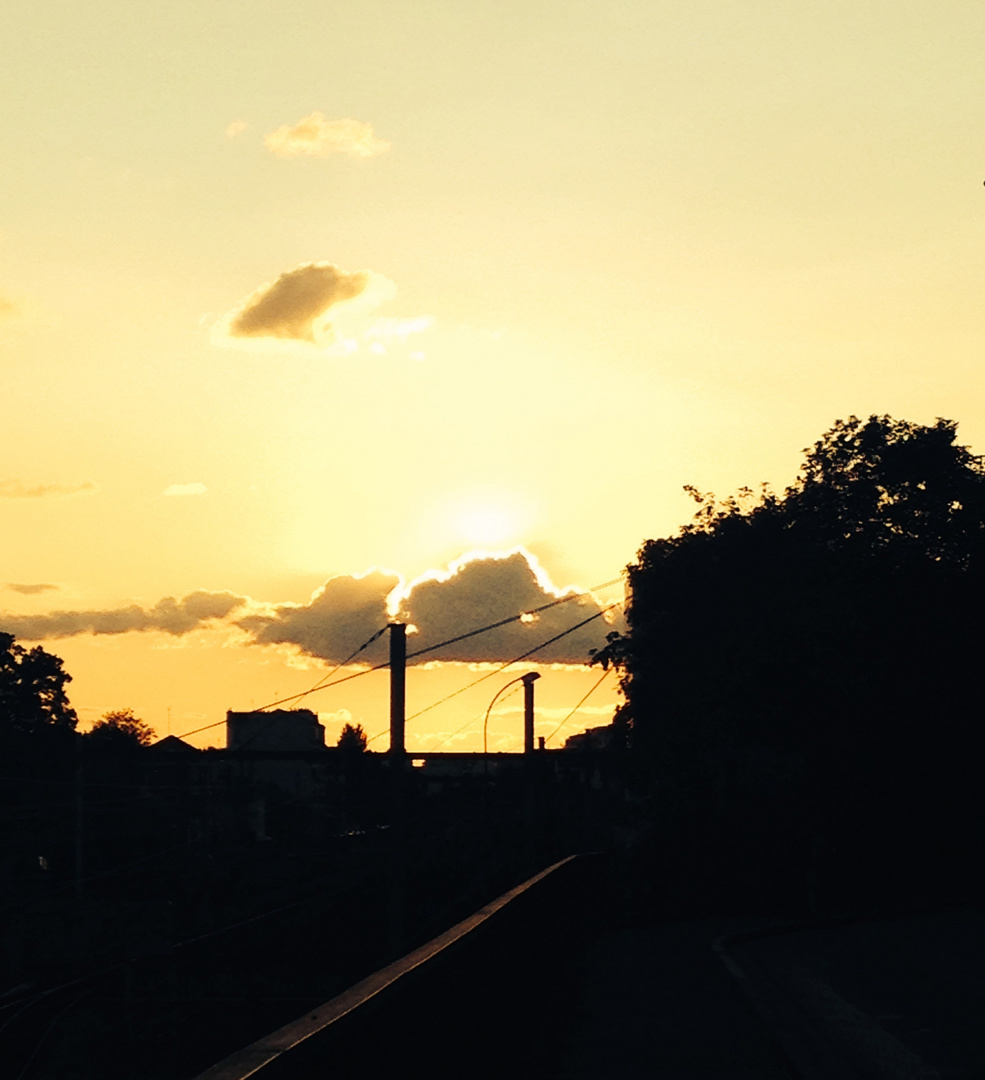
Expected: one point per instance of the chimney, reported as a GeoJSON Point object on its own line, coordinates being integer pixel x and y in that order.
{"type": "Point", "coordinates": [398, 672]}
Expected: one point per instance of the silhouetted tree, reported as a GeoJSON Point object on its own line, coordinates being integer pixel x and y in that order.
{"type": "Point", "coordinates": [120, 728]}
{"type": "Point", "coordinates": [32, 688]}
{"type": "Point", "coordinates": [352, 739]}
{"type": "Point", "coordinates": [808, 663]}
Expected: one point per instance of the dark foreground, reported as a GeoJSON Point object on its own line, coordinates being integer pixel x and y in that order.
{"type": "Point", "coordinates": [569, 980]}
{"type": "Point", "coordinates": [549, 987]}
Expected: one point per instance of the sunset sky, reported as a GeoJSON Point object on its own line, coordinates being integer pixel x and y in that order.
{"type": "Point", "coordinates": [302, 303]}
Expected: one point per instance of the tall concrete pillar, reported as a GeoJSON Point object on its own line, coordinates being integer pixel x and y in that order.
{"type": "Point", "coordinates": [398, 674]}
{"type": "Point", "coordinates": [528, 711]}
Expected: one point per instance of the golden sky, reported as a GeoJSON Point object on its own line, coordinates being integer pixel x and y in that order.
{"type": "Point", "coordinates": [293, 291]}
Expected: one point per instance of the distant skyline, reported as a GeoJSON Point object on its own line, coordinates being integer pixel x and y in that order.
{"type": "Point", "coordinates": [300, 305]}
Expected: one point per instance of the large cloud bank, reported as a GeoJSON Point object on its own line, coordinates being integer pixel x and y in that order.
{"type": "Point", "coordinates": [480, 591]}
{"type": "Point", "coordinates": [474, 592]}
{"type": "Point", "coordinates": [348, 610]}
{"type": "Point", "coordinates": [341, 616]}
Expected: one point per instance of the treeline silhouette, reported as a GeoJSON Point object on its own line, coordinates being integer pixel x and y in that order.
{"type": "Point", "coordinates": [803, 681]}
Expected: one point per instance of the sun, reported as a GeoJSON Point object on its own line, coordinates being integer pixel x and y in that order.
{"type": "Point", "coordinates": [488, 519]}
{"type": "Point", "coordinates": [487, 525]}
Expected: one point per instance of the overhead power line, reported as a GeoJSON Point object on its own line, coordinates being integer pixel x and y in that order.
{"type": "Point", "coordinates": [605, 675]}
{"type": "Point", "coordinates": [319, 686]}
{"type": "Point", "coordinates": [515, 660]}
{"type": "Point", "coordinates": [323, 684]}
{"type": "Point", "coordinates": [324, 679]}
{"type": "Point", "coordinates": [478, 716]}
{"type": "Point", "coordinates": [297, 697]}
{"type": "Point", "coordinates": [502, 667]}
{"type": "Point", "coordinates": [512, 618]}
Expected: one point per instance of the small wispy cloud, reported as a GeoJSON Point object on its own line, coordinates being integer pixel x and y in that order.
{"type": "Point", "coordinates": [185, 489]}
{"type": "Point", "coordinates": [8, 309]}
{"type": "Point", "coordinates": [14, 489]}
{"type": "Point", "coordinates": [237, 127]}
{"type": "Point", "coordinates": [390, 330]}
{"type": "Point", "coordinates": [317, 136]}
{"type": "Point", "coordinates": [175, 617]}
{"type": "Point", "coordinates": [30, 590]}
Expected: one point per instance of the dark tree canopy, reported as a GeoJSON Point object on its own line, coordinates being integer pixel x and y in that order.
{"type": "Point", "coordinates": [121, 728]}
{"type": "Point", "coordinates": [818, 652]}
{"type": "Point", "coordinates": [32, 688]}
{"type": "Point", "coordinates": [881, 508]}
{"type": "Point", "coordinates": [891, 486]}
{"type": "Point", "coordinates": [352, 739]}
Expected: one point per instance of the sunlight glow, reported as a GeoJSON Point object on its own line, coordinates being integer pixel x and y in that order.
{"type": "Point", "coordinates": [487, 525]}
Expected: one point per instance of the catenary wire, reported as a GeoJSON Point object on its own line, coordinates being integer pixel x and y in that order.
{"type": "Point", "coordinates": [451, 641]}
{"type": "Point", "coordinates": [431, 648]}
{"type": "Point", "coordinates": [516, 660]}
{"type": "Point", "coordinates": [324, 679]}
{"type": "Point", "coordinates": [478, 716]}
{"type": "Point", "coordinates": [605, 675]}
{"type": "Point", "coordinates": [512, 618]}
{"type": "Point", "coordinates": [297, 697]}
{"type": "Point", "coordinates": [502, 667]}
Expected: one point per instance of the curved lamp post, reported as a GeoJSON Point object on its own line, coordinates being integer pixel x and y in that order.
{"type": "Point", "coordinates": [528, 681]}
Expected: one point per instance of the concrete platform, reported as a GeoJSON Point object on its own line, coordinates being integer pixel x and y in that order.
{"type": "Point", "coordinates": [877, 998]}
{"type": "Point", "coordinates": [658, 1003]}
{"type": "Point", "coordinates": [900, 997]}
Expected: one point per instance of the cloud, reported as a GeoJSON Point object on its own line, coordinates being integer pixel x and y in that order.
{"type": "Point", "coordinates": [168, 615]}
{"type": "Point", "coordinates": [316, 136]}
{"type": "Point", "coordinates": [185, 489]}
{"type": "Point", "coordinates": [398, 330]}
{"type": "Point", "coordinates": [476, 590]}
{"type": "Point", "coordinates": [295, 307]}
{"type": "Point", "coordinates": [8, 309]}
{"type": "Point", "coordinates": [237, 127]}
{"type": "Point", "coordinates": [546, 715]}
{"type": "Point", "coordinates": [14, 489]}
{"type": "Point", "coordinates": [341, 616]}
{"type": "Point", "coordinates": [31, 590]}
{"type": "Point", "coordinates": [481, 589]}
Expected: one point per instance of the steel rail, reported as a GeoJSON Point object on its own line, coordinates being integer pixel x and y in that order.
{"type": "Point", "coordinates": [254, 1058]}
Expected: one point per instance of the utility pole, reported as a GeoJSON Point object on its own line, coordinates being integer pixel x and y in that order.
{"type": "Point", "coordinates": [528, 711]}
{"type": "Point", "coordinates": [79, 822]}
{"type": "Point", "coordinates": [398, 838]}
{"type": "Point", "coordinates": [398, 678]}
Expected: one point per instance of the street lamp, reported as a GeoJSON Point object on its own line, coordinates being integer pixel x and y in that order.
{"type": "Point", "coordinates": [528, 681]}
